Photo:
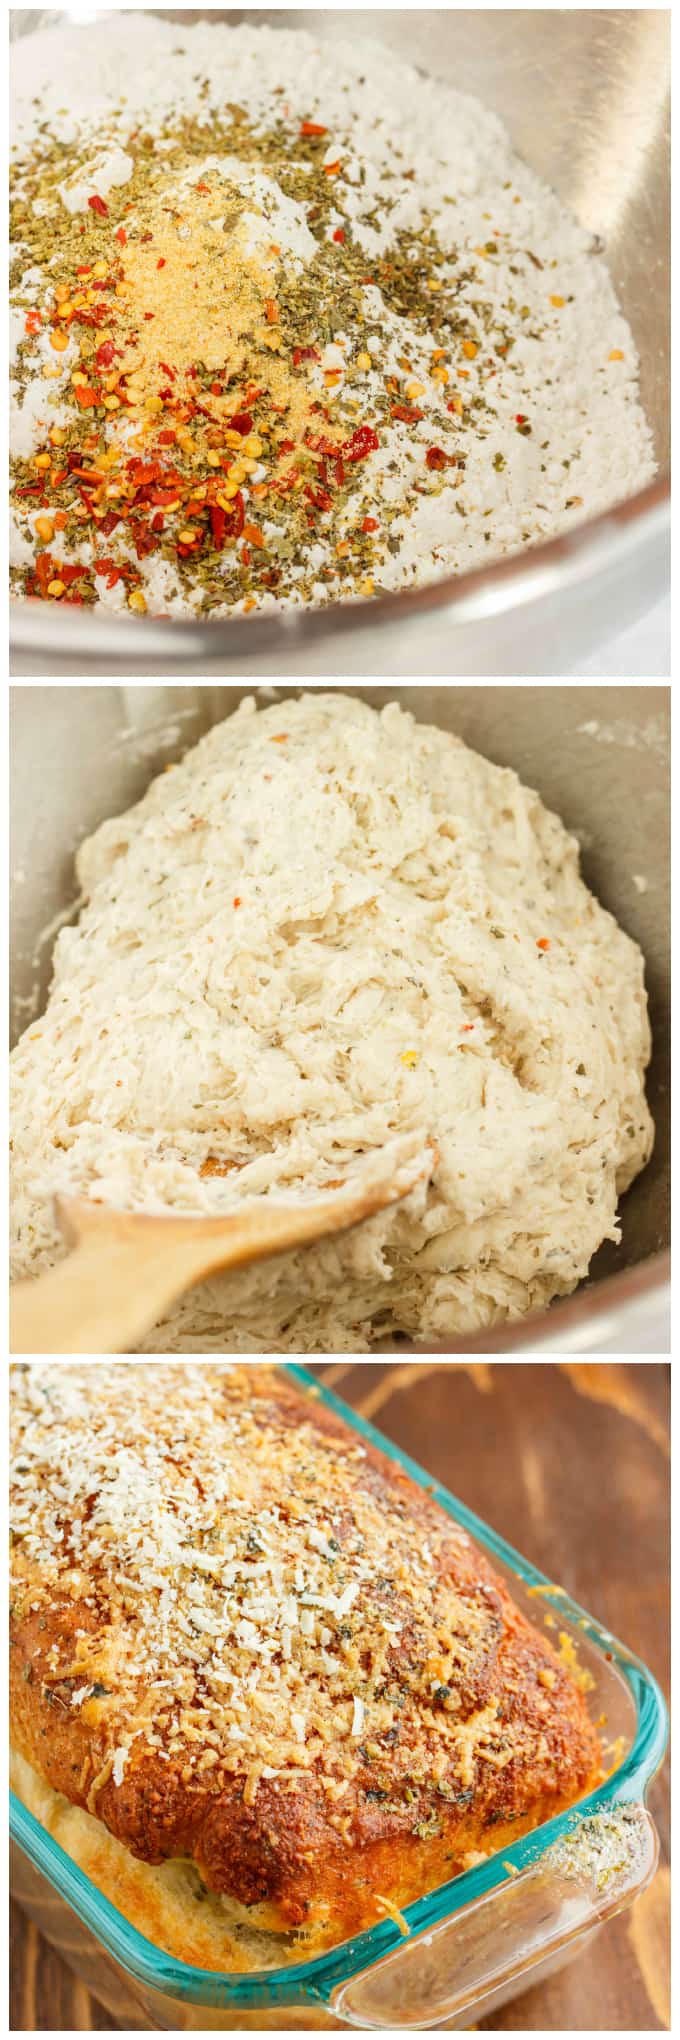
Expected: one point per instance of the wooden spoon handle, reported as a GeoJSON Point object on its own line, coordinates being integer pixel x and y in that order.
{"type": "Point", "coordinates": [103, 1297]}
{"type": "Point", "coordinates": [126, 1268]}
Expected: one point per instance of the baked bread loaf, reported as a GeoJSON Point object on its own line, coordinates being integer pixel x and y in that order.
{"type": "Point", "coordinates": [262, 1687]}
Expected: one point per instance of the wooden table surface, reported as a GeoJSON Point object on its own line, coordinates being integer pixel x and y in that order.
{"type": "Point", "coordinates": [570, 1462]}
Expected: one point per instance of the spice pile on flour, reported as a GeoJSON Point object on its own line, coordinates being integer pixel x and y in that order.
{"type": "Point", "coordinates": [293, 323]}
{"type": "Point", "coordinates": [325, 931]}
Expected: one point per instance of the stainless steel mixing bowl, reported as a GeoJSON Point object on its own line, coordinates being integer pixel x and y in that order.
{"type": "Point", "coordinates": [598, 755]}
{"type": "Point", "coordinates": [584, 95]}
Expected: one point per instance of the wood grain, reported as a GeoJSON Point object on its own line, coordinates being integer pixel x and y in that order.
{"type": "Point", "coordinates": [569, 1461]}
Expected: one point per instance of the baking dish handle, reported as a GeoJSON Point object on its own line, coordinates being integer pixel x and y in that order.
{"type": "Point", "coordinates": [528, 1925]}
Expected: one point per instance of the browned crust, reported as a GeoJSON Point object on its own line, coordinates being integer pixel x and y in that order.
{"type": "Point", "coordinates": [291, 1853]}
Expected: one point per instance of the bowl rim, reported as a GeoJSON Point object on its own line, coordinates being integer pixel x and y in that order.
{"type": "Point", "coordinates": [598, 546]}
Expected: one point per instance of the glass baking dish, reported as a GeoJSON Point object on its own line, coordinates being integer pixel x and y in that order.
{"type": "Point", "coordinates": [471, 1944]}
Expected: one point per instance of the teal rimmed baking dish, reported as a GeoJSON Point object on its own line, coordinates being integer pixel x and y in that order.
{"type": "Point", "coordinates": [473, 1942]}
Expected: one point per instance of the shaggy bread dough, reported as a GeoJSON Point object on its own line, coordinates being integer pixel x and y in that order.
{"type": "Point", "coordinates": [328, 927]}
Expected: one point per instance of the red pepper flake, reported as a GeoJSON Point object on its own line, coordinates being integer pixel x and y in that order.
{"type": "Point", "coordinates": [108, 568]}
{"type": "Point", "coordinates": [215, 389]}
{"type": "Point", "coordinates": [149, 315]}
{"type": "Point", "coordinates": [305, 354]}
{"type": "Point", "coordinates": [543, 942]}
{"type": "Point", "coordinates": [312, 127]}
{"type": "Point", "coordinates": [226, 524]}
{"type": "Point", "coordinates": [286, 445]}
{"type": "Point", "coordinates": [158, 521]}
{"type": "Point", "coordinates": [468, 1028]}
{"type": "Point", "coordinates": [97, 205]}
{"type": "Point", "coordinates": [339, 234]}
{"type": "Point", "coordinates": [142, 472]}
{"type": "Point", "coordinates": [407, 413]}
{"type": "Point", "coordinates": [242, 422]}
{"type": "Point", "coordinates": [161, 262]}
{"type": "Point", "coordinates": [167, 437]}
{"type": "Point", "coordinates": [161, 498]}
{"type": "Point", "coordinates": [33, 322]}
{"type": "Point", "coordinates": [370, 524]}
{"type": "Point", "coordinates": [105, 354]}
{"type": "Point", "coordinates": [319, 498]}
{"type": "Point", "coordinates": [144, 541]}
{"type": "Point", "coordinates": [362, 442]}
{"type": "Point", "coordinates": [121, 237]}
{"type": "Point", "coordinates": [318, 443]}
{"type": "Point", "coordinates": [237, 901]}
{"type": "Point", "coordinates": [520, 417]}
{"type": "Point", "coordinates": [436, 458]}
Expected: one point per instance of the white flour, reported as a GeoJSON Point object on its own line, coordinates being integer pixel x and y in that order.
{"type": "Point", "coordinates": [328, 928]}
{"type": "Point", "coordinates": [553, 433]}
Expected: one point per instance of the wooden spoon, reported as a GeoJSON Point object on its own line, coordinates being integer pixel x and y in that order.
{"type": "Point", "coordinates": [127, 1267]}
